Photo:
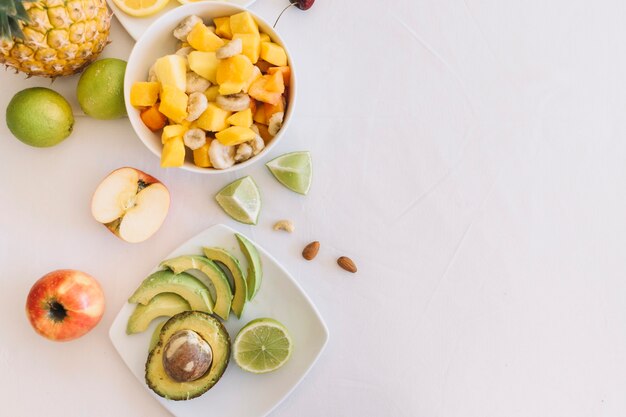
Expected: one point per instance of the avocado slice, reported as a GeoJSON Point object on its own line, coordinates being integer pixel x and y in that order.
{"type": "Point", "coordinates": [216, 278]}
{"type": "Point", "coordinates": [208, 328]}
{"type": "Point", "coordinates": [165, 304]}
{"type": "Point", "coordinates": [232, 264]}
{"type": "Point", "coordinates": [255, 269]}
{"type": "Point", "coordinates": [154, 339]}
{"type": "Point", "coordinates": [185, 285]}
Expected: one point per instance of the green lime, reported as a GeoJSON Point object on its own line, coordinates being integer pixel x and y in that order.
{"type": "Point", "coordinates": [39, 117]}
{"type": "Point", "coordinates": [263, 345]}
{"type": "Point", "coordinates": [100, 90]}
{"type": "Point", "coordinates": [241, 200]}
{"type": "Point", "coordinates": [293, 170]}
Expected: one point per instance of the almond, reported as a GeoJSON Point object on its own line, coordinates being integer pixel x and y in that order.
{"type": "Point", "coordinates": [310, 251]}
{"type": "Point", "coordinates": [347, 264]}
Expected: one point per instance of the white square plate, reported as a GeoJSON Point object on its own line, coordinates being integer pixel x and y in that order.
{"type": "Point", "coordinates": [238, 393]}
{"type": "Point", "coordinates": [136, 26]}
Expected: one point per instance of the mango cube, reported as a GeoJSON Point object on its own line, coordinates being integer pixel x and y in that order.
{"type": "Point", "coordinates": [212, 92]}
{"type": "Point", "coordinates": [231, 88]}
{"type": "Point", "coordinates": [213, 119]}
{"type": "Point", "coordinates": [172, 131]}
{"type": "Point", "coordinates": [204, 64]}
{"type": "Point", "coordinates": [153, 118]}
{"type": "Point", "coordinates": [275, 83]}
{"type": "Point", "coordinates": [259, 91]}
{"type": "Point", "coordinates": [203, 39]}
{"type": "Point", "coordinates": [265, 37]}
{"type": "Point", "coordinates": [286, 71]}
{"type": "Point", "coordinates": [270, 109]}
{"type": "Point", "coordinates": [256, 74]}
{"type": "Point", "coordinates": [236, 69]}
{"type": "Point", "coordinates": [173, 154]}
{"type": "Point", "coordinates": [144, 94]}
{"type": "Point", "coordinates": [259, 115]}
{"type": "Point", "coordinates": [251, 45]}
{"type": "Point", "coordinates": [241, 118]}
{"type": "Point", "coordinates": [222, 27]}
{"type": "Point", "coordinates": [173, 103]}
{"type": "Point", "coordinates": [172, 70]}
{"type": "Point", "coordinates": [264, 133]}
{"type": "Point", "coordinates": [243, 23]}
{"type": "Point", "coordinates": [201, 155]}
{"type": "Point", "coordinates": [274, 54]}
{"type": "Point", "coordinates": [235, 135]}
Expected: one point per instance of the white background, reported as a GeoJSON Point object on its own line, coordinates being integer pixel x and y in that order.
{"type": "Point", "coordinates": [469, 155]}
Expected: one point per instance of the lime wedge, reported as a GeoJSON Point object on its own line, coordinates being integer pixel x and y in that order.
{"type": "Point", "coordinates": [241, 200]}
{"type": "Point", "coordinates": [293, 170]}
{"type": "Point", "coordinates": [263, 345]}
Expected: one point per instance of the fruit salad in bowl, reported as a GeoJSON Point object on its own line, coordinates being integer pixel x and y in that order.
{"type": "Point", "coordinates": [210, 88]}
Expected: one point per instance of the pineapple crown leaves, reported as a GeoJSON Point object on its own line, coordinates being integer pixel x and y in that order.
{"type": "Point", "coordinates": [11, 13]}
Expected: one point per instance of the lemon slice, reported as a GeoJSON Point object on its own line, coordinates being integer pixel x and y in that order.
{"type": "Point", "coordinates": [193, 1]}
{"type": "Point", "coordinates": [141, 8]}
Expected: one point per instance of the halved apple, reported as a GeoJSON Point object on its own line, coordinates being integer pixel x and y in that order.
{"type": "Point", "coordinates": [131, 204]}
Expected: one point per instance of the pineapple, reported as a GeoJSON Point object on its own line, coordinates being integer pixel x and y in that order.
{"type": "Point", "coordinates": [52, 38]}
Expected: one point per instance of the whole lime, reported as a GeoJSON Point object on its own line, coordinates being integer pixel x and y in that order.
{"type": "Point", "coordinates": [39, 117]}
{"type": "Point", "coordinates": [100, 89]}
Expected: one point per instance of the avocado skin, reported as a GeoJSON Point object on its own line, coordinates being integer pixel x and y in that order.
{"type": "Point", "coordinates": [159, 383]}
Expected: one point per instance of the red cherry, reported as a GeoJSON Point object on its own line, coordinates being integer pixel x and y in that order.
{"type": "Point", "coordinates": [303, 4]}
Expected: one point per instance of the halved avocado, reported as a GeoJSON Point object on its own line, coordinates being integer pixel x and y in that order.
{"type": "Point", "coordinates": [185, 285]}
{"type": "Point", "coordinates": [232, 264]}
{"type": "Point", "coordinates": [154, 339]}
{"type": "Point", "coordinates": [165, 304]}
{"type": "Point", "coordinates": [211, 331]}
{"type": "Point", "coordinates": [255, 269]}
{"type": "Point", "coordinates": [223, 294]}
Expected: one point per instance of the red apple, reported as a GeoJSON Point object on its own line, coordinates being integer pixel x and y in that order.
{"type": "Point", "coordinates": [131, 204]}
{"type": "Point", "coordinates": [65, 304]}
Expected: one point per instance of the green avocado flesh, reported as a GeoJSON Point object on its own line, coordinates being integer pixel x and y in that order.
{"type": "Point", "coordinates": [208, 328]}
{"type": "Point", "coordinates": [154, 339]}
{"type": "Point", "coordinates": [216, 278]}
{"type": "Point", "coordinates": [186, 286]}
{"type": "Point", "coordinates": [232, 264]}
{"type": "Point", "coordinates": [164, 304]}
{"type": "Point", "coordinates": [255, 270]}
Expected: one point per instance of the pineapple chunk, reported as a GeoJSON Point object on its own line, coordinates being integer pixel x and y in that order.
{"type": "Point", "coordinates": [275, 83]}
{"type": "Point", "coordinates": [172, 131]}
{"type": "Point", "coordinates": [204, 64]}
{"type": "Point", "coordinates": [144, 94]}
{"type": "Point", "coordinates": [251, 45]}
{"type": "Point", "coordinates": [259, 91]}
{"type": "Point", "coordinates": [203, 39]}
{"type": "Point", "coordinates": [286, 71]}
{"type": "Point", "coordinates": [212, 92]}
{"type": "Point", "coordinates": [241, 118]}
{"type": "Point", "coordinates": [213, 119]}
{"type": "Point", "coordinates": [222, 27]}
{"type": "Point", "coordinates": [172, 70]}
{"type": "Point", "coordinates": [173, 154]}
{"type": "Point", "coordinates": [201, 155]}
{"type": "Point", "coordinates": [265, 37]}
{"type": "Point", "coordinates": [243, 23]}
{"type": "Point", "coordinates": [235, 135]}
{"type": "Point", "coordinates": [173, 103]}
{"type": "Point", "coordinates": [274, 54]}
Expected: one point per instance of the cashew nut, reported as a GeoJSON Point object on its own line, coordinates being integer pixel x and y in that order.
{"type": "Point", "coordinates": [232, 48]}
{"type": "Point", "coordinates": [152, 77]}
{"type": "Point", "coordinates": [185, 26]}
{"type": "Point", "coordinates": [285, 225]}
{"type": "Point", "coordinates": [196, 83]}
{"type": "Point", "coordinates": [244, 152]}
{"type": "Point", "coordinates": [233, 102]}
{"type": "Point", "coordinates": [221, 156]}
{"type": "Point", "coordinates": [257, 144]}
{"type": "Point", "coordinates": [196, 105]}
{"type": "Point", "coordinates": [275, 122]}
{"type": "Point", "coordinates": [194, 138]}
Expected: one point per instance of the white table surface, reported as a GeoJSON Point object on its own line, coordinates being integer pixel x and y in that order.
{"type": "Point", "coordinates": [469, 155]}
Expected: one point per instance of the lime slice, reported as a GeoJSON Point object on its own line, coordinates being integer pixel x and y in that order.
{"type": "Point", "coordinates": [293, 170]}
{"type": "Point", "coordinates": [263, 345]}
{"type": "Point", "coordinates": [241, 200]}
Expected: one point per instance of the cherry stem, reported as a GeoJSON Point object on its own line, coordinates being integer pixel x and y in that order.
{"type": "Point", "coordinates": [56, 311]}
{"type": "Point", "coordinates": [281, 13]}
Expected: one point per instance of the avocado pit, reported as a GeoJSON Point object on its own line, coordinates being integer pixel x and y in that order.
{"type": "Point", "coordinates": [187, 356]}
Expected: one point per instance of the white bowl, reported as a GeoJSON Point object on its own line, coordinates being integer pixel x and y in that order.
{"type": "Point", "coordinates": [158, 41]}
